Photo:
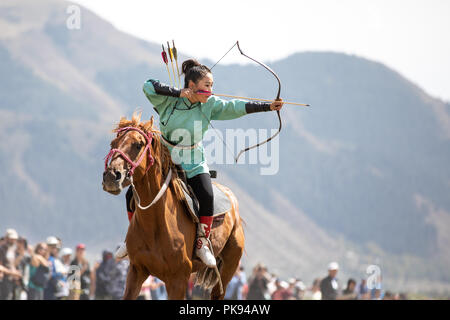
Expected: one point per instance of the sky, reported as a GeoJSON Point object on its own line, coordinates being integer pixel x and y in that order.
{"type": "Point", "coordinates": [411, 37]}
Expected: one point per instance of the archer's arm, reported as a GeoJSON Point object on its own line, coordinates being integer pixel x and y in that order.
{"type": "Point", "coordinates": [225, 110]}
{"type": "Point", "coordinates": [159, 94]}
{"type": "Point", "coordinates": [251, 107]}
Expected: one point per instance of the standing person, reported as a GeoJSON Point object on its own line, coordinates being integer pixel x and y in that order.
{"type": "Point", "coordinates": [234, 288]}
{"type": "Point", "coordinates": [349, 293]}
{"type": "Point", "coordinates": [363, 290]}
{"type": "Point", "coordinates": [103, 276]}
{"type": "Point", "coordinates": [314, 292]}
{"type": "Point", "coordinates": [145, 293]}
{"type": "Point", "coordinates": [7, 260]}
{"type": "Point", "coordinates": [257, 284]}
{"type": "Point", "coordinates": [271, 286]}
{"type": "Point", "coordinates": [84, 270]}
{"type": "Point", "coordinates": [244, 291]}
{"type": "Point", "coordinates": [377, 294]}
{"type": "Point", "coordinates": [281, 292]}
{"type": "Point", "coordinates": [65, 283]}
{"type": "Point", "coordinates": [388, 295]}
{"type": "Point", "coordinates": [329, 286]}
{"type": "Point", "coordinates": [22, 265]}
{"type": "Point", "coordinates": [40, 272]}
{"type": "Point", "coordinates": [54, 284]}
{"type": "Point", "coordinates": [66, 256]}
{"type": "Point", "coordinates": [157, 289]}
{"type": "Point", "coordinates": [118, 278]}
{"type": "Point", "coordinates": [299, 290]}
{"type": "Point", "coordinates": [291, 289]}
{"type": "Point", "coordinates": [192, 109]}
{"type": "Point", "coordinates": [190, 286]}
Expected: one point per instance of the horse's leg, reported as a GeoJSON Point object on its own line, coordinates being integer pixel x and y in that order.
{"type": "Point", "coordinates": [231, 255]}
{"type": "Point", "coordinates": [176, 287]}
{"type": "Point", "coordinates": [135, 279]}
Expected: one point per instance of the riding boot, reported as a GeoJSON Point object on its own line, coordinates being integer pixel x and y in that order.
{"type": "Point", "coordinates": [122, 250]}
{"type": "Point", "coordinates": [202, 249]}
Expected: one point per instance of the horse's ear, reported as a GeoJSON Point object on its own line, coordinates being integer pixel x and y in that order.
{"type": "Point", "coordinates": [148, 125]}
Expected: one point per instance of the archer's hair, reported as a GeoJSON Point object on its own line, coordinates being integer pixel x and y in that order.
{"type": "Point", "coordinates": [193, 70]}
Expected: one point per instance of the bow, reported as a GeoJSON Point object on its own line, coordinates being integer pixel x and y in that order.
{"type": "Point", "coordinates": [277, 97]}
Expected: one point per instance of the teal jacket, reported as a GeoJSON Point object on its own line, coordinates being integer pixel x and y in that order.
{"type": "Point", "coordinates": [185, 124]}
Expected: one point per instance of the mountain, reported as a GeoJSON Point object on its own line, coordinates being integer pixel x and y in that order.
{"type": "Point", "coordinates": [363, 175]}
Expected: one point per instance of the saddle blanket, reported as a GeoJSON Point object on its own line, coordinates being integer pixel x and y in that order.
{"type": "Point", "coordinates": [222, 203]}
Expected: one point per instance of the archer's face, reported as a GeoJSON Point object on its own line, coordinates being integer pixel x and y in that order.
{"type": "Point", "coordinates": [205, 84]}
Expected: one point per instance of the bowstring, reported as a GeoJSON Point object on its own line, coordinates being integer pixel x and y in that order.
{"type": "Point", "coordinates": [209, 121]}
{"type": "Point", "coordinates": [217, 132]}
{"type": "Point", "coordinates": [223, 56]}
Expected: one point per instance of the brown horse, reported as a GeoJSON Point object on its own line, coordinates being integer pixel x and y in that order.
{"type": "Point", "coordinates": [160, 240]}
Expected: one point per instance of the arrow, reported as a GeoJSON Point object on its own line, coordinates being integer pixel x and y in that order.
{"type": "Point", "coordinates": [166, 61]}
{"type": "Point", "coordinates": [175, 55]}
{"type": "Point", "coordinates": [208, 93]}
{"type": "Point", "coordinates": [171, 61]}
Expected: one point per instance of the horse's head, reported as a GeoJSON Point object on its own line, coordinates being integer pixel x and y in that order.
{"type": "Point", "coordinates": [130, 156]}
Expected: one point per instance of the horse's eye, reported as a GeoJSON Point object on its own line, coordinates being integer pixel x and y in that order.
{"type": "Point", "coordinates": [138, 145]}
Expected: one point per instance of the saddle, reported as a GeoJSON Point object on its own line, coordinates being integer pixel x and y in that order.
{"type": "Point", "coordinates": [222, 203]}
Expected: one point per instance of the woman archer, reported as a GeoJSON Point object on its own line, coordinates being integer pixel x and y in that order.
{"type": "Point", "coordinates": [185, 109]}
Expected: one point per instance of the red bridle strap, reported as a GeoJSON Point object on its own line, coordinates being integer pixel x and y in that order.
{"type": "Point", "coordinates": [136, 164]}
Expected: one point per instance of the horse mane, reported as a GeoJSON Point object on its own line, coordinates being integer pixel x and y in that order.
{"type": "Point", "coordinates": [160, 153]}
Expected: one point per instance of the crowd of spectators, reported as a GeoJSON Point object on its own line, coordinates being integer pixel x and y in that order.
{"type": "Point", "coordinates": [263, 285]}
{"type": "Point", "coordinates": [51, 272]}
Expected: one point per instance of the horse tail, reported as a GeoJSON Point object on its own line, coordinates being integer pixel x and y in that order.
{"type": "Point", "coordinates": [207, 278]}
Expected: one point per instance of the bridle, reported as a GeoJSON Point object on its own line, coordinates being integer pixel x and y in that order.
{"type": "Point", "coordinates": [133, 165]}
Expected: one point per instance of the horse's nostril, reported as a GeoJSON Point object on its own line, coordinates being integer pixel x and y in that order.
{"type": "Point", "coordinates": [118, 175]}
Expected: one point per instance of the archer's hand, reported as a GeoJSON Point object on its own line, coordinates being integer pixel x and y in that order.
{"type": "Point", "coordinates": [187, 93]}
{"type": "Point", "coordinates": [277, 105]}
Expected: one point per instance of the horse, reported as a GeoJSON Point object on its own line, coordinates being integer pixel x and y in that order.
{"type": "Point", "coordinates": [161, 237]}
